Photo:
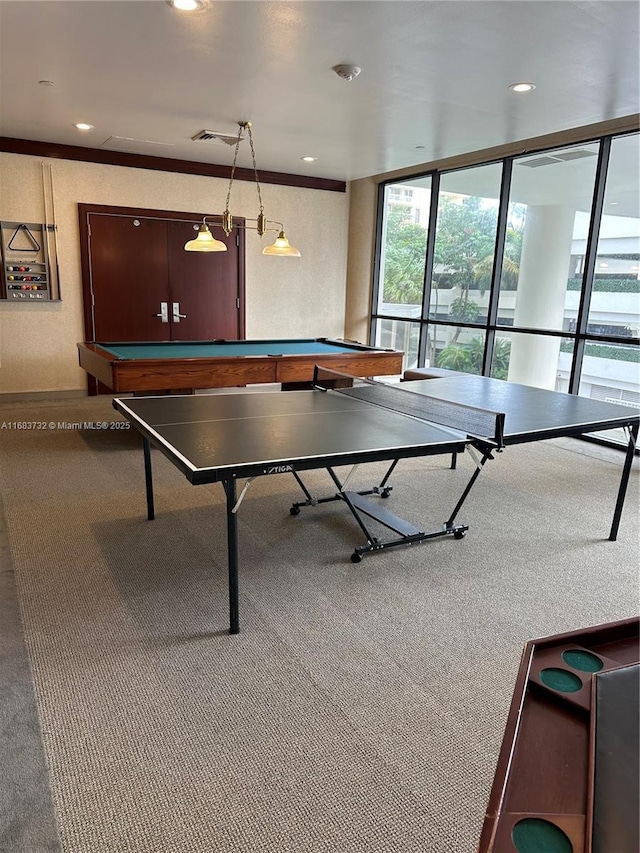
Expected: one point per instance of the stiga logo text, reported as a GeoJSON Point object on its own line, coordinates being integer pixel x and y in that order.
{"type": "Point", "coordinates": [278, 469]}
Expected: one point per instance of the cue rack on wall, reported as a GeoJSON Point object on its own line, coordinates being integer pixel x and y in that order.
{"type": "Point", "coordinates": [26, 274]}
{"type": "Point", "coordinates": [29, 254]}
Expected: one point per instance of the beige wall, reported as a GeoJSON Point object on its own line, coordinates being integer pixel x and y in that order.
{"type": "Point", "coordinates": [286, 297]}
{"type": "Point", "coordinates": [362, 224]}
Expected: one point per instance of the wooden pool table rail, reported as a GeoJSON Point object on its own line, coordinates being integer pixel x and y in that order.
{"type": "Point", "coordinates": [178, 373]}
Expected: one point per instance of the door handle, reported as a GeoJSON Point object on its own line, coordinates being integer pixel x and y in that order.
{"type": "Point", "coordinates": [177, 316]}
{"type": "Point", "coordinates": [164, 312]}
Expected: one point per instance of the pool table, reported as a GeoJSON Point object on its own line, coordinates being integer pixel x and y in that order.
{"type": "Point", "coordinates": [184, 366]}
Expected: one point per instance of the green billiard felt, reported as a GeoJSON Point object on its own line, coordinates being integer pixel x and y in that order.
{"type": "Point", "coordinates": [225, 349]}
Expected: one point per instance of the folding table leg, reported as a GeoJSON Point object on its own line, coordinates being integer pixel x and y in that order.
{"type": "Point", "coordinates": [232, 555]}
{"type": "Point", "coordinates": [486, 455]}
{"type": "Point", "coordinates": [624, 481]}
{"type": "Point", "coordinates": [148, 478]}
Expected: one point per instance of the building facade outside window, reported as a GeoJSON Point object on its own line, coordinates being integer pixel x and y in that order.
{"type": "Point", "coordinates": [527, 269]}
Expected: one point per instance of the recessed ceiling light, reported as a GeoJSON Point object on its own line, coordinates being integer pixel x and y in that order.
{"type": "Point", "coordinates": [309, 159]}
{"type": "Point", "coordinates": [612, 203]}
{"type": "Point", "coordinates": [522, 87]}
{"type": "Point", "coordinates": [82, 126]}
{"type": "Point", "coordinates": [186, 5]}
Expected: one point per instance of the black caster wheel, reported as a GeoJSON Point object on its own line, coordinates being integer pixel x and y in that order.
{"type": "Point", "coordinates": [385, 493]}
{"type": "Point", "coordinates": [356, 558]}
{"type": "Point", "coordinates": [295, 510]}
{"type": "Point", "coordinates": [459, 534]}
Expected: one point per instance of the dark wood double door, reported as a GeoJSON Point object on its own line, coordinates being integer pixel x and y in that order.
{"type": "Point", "coordinates": [139, 284]}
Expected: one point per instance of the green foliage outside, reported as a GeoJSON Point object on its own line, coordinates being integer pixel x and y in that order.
{"type": "Point", "coordinates": [461, 311]}
{"type": "Point", "coordinates": [405, 251]}
{"type": "Point", "coordinates": [612, 353]}
{"type": "Point", "coordinates": [608, 285]}
{"type": "Point", "coordinates": [459, 357]}
{"type": "Point", "coordinates": [464, 253]}
{"type": "Point", "coordinates": [464, 250]}
{"type": "Point", "coordinates": [467, 358]}
{"type": "Point", "coordinates": [464, 257]}
{"type": "Point", "coordinates": [465, 236]}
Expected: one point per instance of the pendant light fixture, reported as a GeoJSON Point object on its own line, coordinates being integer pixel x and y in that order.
{"type": "Point", "coordinates": [206, 242]}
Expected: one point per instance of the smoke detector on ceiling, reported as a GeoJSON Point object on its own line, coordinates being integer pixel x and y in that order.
{"type": "Point", "coordinates": [216, 136]}
{"type": "Point", "coordinates": [347, 72]}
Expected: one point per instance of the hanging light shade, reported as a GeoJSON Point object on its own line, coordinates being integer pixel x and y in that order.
{"type": "Point", "coordinates": [282, 248]}
{"type": "Point", "coordinates": [205, 242]}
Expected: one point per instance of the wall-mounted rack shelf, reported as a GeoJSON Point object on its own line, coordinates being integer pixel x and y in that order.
{"type": "Point", "coordinates": [25, 266]}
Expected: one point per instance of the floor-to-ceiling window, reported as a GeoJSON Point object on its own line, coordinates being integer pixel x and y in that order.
{"type": "Point", "coordinates": [401, 265]}
{"type": "Point", "coordinates": [527, 269]}
{"type": "Point", "coordinates": [611, 360]}
{"type": "Point", "coordinates": [460, 275]}
{"type": "Point", "coordinates": [550, 198]}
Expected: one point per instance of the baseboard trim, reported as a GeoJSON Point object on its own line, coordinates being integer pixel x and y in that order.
{"type": "Point", "coordinates": [28, 396]}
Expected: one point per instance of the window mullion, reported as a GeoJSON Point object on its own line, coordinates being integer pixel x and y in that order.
{"type": "Point", "coordinates": [589, 264]}
{"type": "Point", "coordinates": [496, 274]}
{"type": "Point", "coordinates": [428, 270]}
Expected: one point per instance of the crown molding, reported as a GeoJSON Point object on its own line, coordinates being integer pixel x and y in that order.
{"type": "Point", "coordinates": [57, 151]}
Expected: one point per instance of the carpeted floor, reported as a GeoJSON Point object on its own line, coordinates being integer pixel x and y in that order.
{"type": "Point", "coordinates": [360, 709]}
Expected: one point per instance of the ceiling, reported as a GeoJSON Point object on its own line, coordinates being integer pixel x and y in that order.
{"type": "Point", "coordinates": [434, 79]}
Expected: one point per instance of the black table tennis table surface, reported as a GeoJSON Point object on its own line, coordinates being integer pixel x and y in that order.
{"type": "Point", "coordinates": [212, 437]}
{"type": "Point", "coordinates": [532, 414]}
{"type": "Point", "coordinates": [208, 436]}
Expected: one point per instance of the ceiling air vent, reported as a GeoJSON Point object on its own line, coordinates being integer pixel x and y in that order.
{"type": "Point", "coordinates": [576, 154]}
{"type": "Point", "coordinates": [130, 145]}
{"type": "Point", "coordinates": [215, 136]}
{"type": "Point", "coordinates": [560, 157]}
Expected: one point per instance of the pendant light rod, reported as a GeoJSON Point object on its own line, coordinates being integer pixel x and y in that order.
{"type": "Point", "coordinates": [206, 242]}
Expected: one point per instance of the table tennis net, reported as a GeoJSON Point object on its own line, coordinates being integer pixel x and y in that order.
{"type": "Point", "coordinates": [471, 420]}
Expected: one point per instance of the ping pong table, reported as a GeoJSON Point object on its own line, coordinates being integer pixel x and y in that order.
{"type": "Point", "coordinates": [345, 421]}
